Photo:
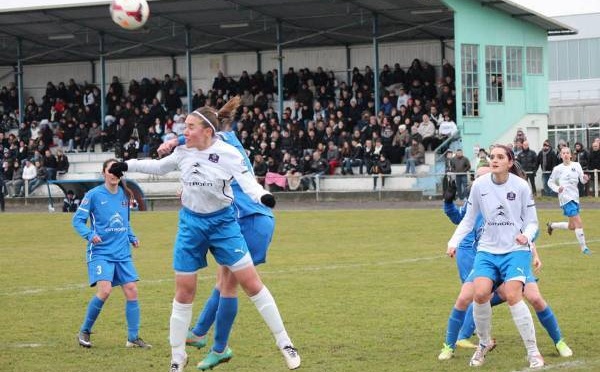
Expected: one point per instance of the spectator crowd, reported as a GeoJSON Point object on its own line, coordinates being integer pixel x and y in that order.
{"type": "Point", "coordinates": [329, 124]}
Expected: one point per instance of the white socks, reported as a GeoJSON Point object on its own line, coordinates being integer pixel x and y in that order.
{"type": "Point", "coordinates": [181, 317]}
{"type": "Point", "coordinates": [524, 322]}
{"type": "Point", "coordinates": [265, 304]}
{"type": "Point", "coordinates": [580, 237]}
{"type": "Point", "coordinates": [559, 225]}
{"type": "Point", "coordinates": [482, 315]}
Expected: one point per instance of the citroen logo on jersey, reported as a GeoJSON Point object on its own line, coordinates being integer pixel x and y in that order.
{"type": "Point", "coordinates": [500, 218]}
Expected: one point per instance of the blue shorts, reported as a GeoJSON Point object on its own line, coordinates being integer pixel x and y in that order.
{"type": "Point", "coordinates": [198, 233]}
{"type": "Point", "coordinates": [257, 230]}
{"type": "Point", "coordinates": [464, 262]}
{"type": "Point", "coordinates": [571, 209]}
{"type": "Point", "coordinates": [501, 268]}
{"type": "Point", "coordinates": [116, 272]}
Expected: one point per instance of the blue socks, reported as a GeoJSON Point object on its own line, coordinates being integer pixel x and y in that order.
{"type": "Point", "coordinates": [207, 316]}
{"type": "Point", "coordinates": [455, 321]}
{"type": "Point", "coordinates": [93, 310]}
{"type": "Point", "coordinates": [468, 325]}
{"type": "Point", "coordinates": [226, 313]}
{"type": "Point", "coordinates": [549, 322]}
{"type": "Point", "coordinates": [132, 314]}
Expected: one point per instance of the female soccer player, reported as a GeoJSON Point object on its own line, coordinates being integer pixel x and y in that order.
{"type": "Point", "coordinates": [564, 180]}
{"type": "Point", "coordinates": [510, 222]}
{"type": "Point", "coordinates": [460, 322]}
{"type": "Point", "coordinates": [257, 225]}
{"type": "Point", "coordinates": [108, 253]}
{"type": "Point", "coordinates": [207, 220]}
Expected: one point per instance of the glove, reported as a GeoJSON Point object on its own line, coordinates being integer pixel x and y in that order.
{"type": "Point", "coordinates": [268, 200]}
{"type": "Point", "coordinates": [118, 168]}
{"type": "Point", "coordinates": [450, 192]}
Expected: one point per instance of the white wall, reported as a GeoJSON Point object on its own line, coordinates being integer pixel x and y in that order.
{"type": "Point", "coordinates": [206, 66]}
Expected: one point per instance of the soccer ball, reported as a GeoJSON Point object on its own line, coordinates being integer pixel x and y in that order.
{"type": "Point", "coordinates": [129, 14]}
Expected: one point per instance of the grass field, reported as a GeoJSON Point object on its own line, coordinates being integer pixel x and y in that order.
{"type": "Point", "coordinates": [364, 290]}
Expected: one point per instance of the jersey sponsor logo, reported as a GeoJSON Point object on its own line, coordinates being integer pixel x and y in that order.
{"type": "Point", "coordinates": [116, 223]}
{"type": "Point", "coordinates": [511, 195]}
{"type": "Point", "coordinates": [500, 218]}
{"type": "Point", "coordinates": [214, 158]}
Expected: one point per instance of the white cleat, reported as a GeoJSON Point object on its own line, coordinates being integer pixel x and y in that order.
{"type": "Point", "coordinates": [291, 356]}
{"type": "Point", "coordinates": [178, 367]}
{"type": "Point", "coordinates": [535, 361]}
{"type": "Point", "coordinates": [478, 357]}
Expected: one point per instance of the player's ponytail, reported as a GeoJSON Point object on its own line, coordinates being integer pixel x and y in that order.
{"type": "Point", "coordinates": [227, 113]}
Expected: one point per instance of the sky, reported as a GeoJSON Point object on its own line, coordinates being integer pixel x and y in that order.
{"type": "Point", "coordinates": [549, 8]}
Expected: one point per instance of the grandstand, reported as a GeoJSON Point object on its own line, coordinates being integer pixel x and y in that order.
{"type": "Point", "coordinates": [500, 82]}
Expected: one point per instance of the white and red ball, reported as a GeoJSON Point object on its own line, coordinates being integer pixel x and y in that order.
{"type": "Point", "coordinates": [129, 14]}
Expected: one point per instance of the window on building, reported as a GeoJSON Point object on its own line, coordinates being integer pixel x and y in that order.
{"type": "Point", "coordinates": [514, 67]}
{"type": "Point", "coordinates": [535, 60]}
{"type": "Point", "coordinates": [470, 79]}
{"type": "Point", "coordinates": [493, 73]}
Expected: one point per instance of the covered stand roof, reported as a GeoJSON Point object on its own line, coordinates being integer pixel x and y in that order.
{"type": "Point", "coordinates": [63, 34]}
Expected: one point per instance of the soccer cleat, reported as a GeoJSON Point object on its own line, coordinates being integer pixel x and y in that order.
{"type": "Point", "coordinates": [563, 349]}
{"type": "Point", "coordinates": [291, 356]}
{"type": "Point", "coordinates": [466, 344]}
{"type": "Point", "coordinates": [84, 339]}
{"type": "Point", "coordinates": [196, 341]}
{"type": "Point", "coordinates": [478, 357]}
{"type": "Point", "coordinates": [178, 367]}
{"type": "Point", "coordinates": [549, 228]}
{"type": "Point", "coordinates": [535, 361]}
{"type": "Point", "coordinates": [586, 250]}
{"type": "Point", "coordinates": [138, 342]}
{"type": "Point", "coordinates": [213, 359]}
{"type": "Point", "coordinates": [447, 353]}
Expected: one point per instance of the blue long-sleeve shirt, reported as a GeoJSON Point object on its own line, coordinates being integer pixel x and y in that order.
{"type": "Point", "coordinates": [108, 215]}
{"type": "Point", "coordinates": [456, 214]}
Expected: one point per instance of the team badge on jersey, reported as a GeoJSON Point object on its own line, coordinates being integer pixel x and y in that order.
{"type": "Point", "coordinates": [214, 158]}
{"type": "Point", "coordinates": [511, 195]}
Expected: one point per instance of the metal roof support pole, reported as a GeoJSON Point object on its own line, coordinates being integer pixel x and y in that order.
{"type": "Point", "coordinates": [443, 47]}
{"type": "Point", "coordinates": [93, 71]}
{"type": "Point", "coordinates": [348, 64]}
{"type": "Point", "coordinates": [279, 72]}
{"type": "Point", "coordinates": [376, 61]}
{"type": "Point", "coordinates": [258, 61]}
{"type": "Point", "coordinates": [188, 66]}
{"type": "Point", "coordinates": [20, 80]}
{"type": "Point", "coordinates": [102, 80]}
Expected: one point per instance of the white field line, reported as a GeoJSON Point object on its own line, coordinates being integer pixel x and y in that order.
{"type": "Point", "coordinates": [564, 365]}
{"type": "Point", "coordinates": [69, 287]}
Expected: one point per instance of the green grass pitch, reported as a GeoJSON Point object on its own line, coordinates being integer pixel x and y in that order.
{"type": "Point", "coordinates": [359, 290]}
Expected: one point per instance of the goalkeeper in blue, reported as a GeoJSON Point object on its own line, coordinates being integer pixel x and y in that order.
{"type": "Point", "coordinates": [460, 322]}
{"type": "Point", "coordinates": [109, 238]}
{"type": "Point", "coordinates": [207, 222]}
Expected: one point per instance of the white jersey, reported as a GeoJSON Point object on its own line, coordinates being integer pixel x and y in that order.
{"type": "Point", "coordinates": [206, 175]}
{"type": "Point", "coordinates": [508, 210]}
{"type": "Point", "coordinates": [567, 176]}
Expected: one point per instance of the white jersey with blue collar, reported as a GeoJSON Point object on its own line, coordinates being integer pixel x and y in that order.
{"type": "Point", "coordinates": [567, 176]}
{"type": "Point", "coordinates": [206, 175]}
{"type": "Point", "coordinates": [508, 210]}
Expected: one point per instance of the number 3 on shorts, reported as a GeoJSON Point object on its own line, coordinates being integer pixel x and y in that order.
{"type": "Point", "coordinates": [98, 270]}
